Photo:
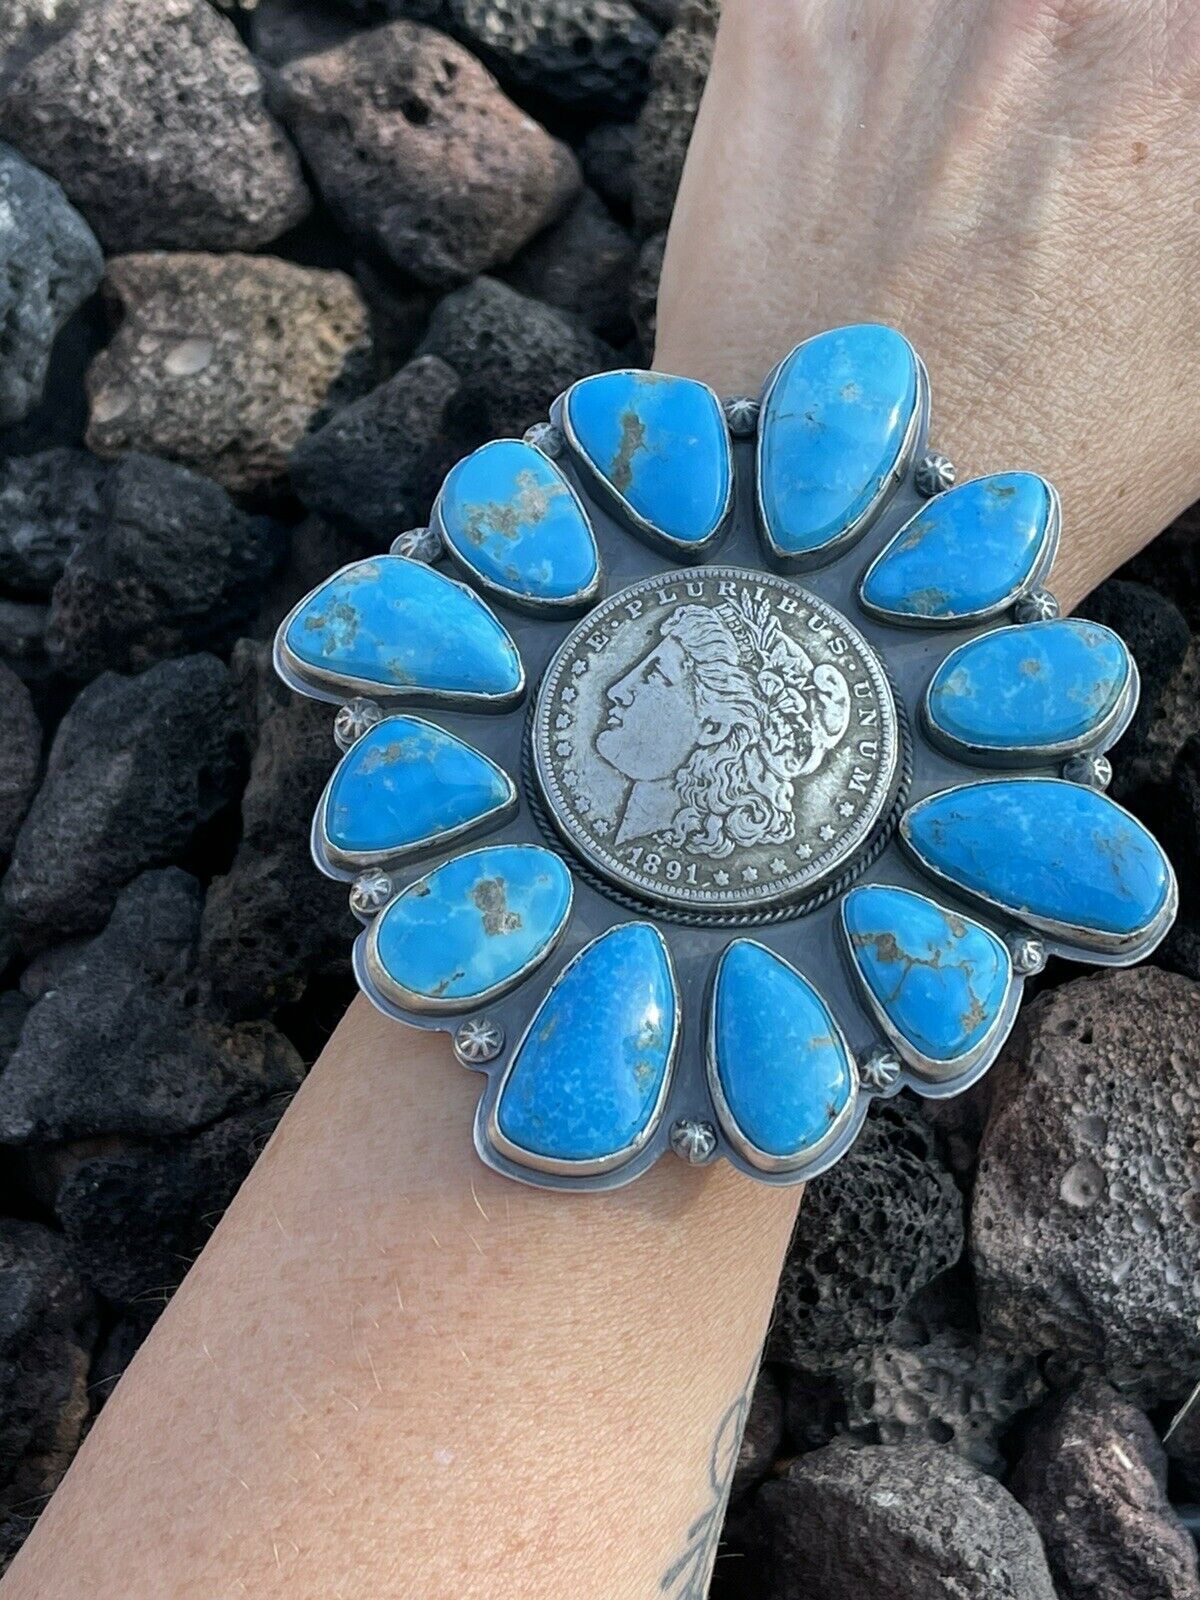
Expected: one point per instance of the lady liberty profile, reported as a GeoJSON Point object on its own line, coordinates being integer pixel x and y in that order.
{"type": "Point", "coordinates": [715, 725]}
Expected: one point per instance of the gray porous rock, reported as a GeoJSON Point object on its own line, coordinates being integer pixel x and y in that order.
{"type": "Point", "coordinates": [20, 755]}
{"type": "Point", "coordinates": [1085, 1223]}
{"type": "Point", "coordinates": [49, 264]}
{"type": "Point", "coordinates": [582, 265]}
{"type": "Point", "coordinates": [643, 291]}
{"type": "Point", "coordinates": [416, 148]}
{"type": "Point", "coordinates": [872, 1232]}
{"type": "Point", "coordinates": [677, 77]}
{"type": "Point", "coordinates": [606, 155]}
{"type": "Point", "coordinates": [170, 565]}
{"type": "Point", "coordinates": [513, 355]}
{"type": "Point", "coordinates": [273, 921]}
{"type": "Point", "coordinates": [909, 1522]}
{"type": "Point", "coordinates": [588, 55]}
{"type": "Point", "coordinates": [122, 1044]}
{"type": "Point", "coordinates": [1093, 1476]}
{"type": "Point", "coordinates": [153, 119]}
{"type": "Point", "coordinates": [376, 465]}
{"type": "Point", "coordinates": [135, 1218]}
{"type": "Point", "coordinates": [47, 1324]}
{"type": "Point", "coordinates": [222, 363]}
{"type": "Point", "coordinates": [49, 502]}
{"type": "Point", "coordinates": [137, 764]}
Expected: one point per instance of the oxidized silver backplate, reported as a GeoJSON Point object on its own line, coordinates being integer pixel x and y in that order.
{"type": "Point", "coordinates": [715, 738]}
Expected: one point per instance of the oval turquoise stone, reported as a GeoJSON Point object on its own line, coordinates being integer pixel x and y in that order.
{"type": "Point", "coordinates": [939, 978]}
{"type": "Point", "coordinates": [832, 433]}
{"type": "Point", "coordinates": [406, 784]}
{"type": "Point", "coordinates": [387, 623]}
{"type": "Point", "coordinates": [777, 1055]}
{"type": "Point", "coordinates": [1041, 686]}
{"type": "Point", "coordinates": [471, 927]}
{"type": "Point", "coordinates": [970, 551]}
{"type": "Point", "coordinates": [1061, 856]}
{"type": "Point", "coordinates": [507, 513]}
{"type": "Point", "coordinates": [588, 1080]}
{"type": "Point", "coordinates": [660, 444]}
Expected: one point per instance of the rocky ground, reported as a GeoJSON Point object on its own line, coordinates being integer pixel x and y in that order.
{"type": "Point", "coordinates": [265, 274]}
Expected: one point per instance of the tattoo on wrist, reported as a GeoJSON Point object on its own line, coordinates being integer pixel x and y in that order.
{"type": "Point", "coordinates": [688, 1577]}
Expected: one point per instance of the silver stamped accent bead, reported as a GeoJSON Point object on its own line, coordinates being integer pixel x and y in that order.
{"type": "Point", "coordinates": [478, 1040]}
{"type": "Point", "coordinates": [694, 1142]}
{"type": "Point", "coordinates": [741, 413]}
{"type": "Point", "coordinates": [418, 544]}
{"type": "Point", "coordinates": [544, 436]}
{"type": "Point", "coordinates": [354, 719]}
{"type": "Point", "coordinates": [934, 474]}
{"type": "Point", "coordinates": [1093, 771]}
{"type": "Point", "coordinates": [1028, 953]}
{"type": "Point", "coordinates": [370, 893]}
{"type": "Point", "coordinates": [880, 1071]}
{"type": "Point", "coordinates": [1037, 606]}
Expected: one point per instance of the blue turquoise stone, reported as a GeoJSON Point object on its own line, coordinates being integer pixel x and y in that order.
{"type": "Point", "coordinates": [406, 783]}
{"type": "Point", "coordinates": [588, 1079]}
{"type": "Point", "coordinates": [393, 624]}
{"type": "Point", "coordinates": [832, 433]}
{"type": "Point", "coordinates": [1030, 688]}
{"type": "Point", "coordinates": [508, 513]}
{"type": "Point", "coordinates": [472, 925]}
{"type": "Point", "coordinates": [778, 1056]}
{"type": "Point", "coordinates": [969, 550]}
{"type": "Point", "coordinates": [939, 978]}
{"type": "Point", "coordinates": [662, 446]}
{"type": "Point", "coordinates": [1056, 853]}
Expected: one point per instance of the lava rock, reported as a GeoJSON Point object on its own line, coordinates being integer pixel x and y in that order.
{"type": "Point", "coordinates": [28, 26]}
{"type": "Point", "coordinates": [643, 291]}
{"type": "Point", "coordinates": [762, 1436]}
{"type": "Point", "coordinates": [122, 1045]}
{"type": "Point", "coordinates": [283, 30]}
{"type": "Point", "coordinates": [872, 1232]}
{"type": "Point", "coordinates": [1171, 564]}
{"type": "Point", "coordinates": [153, 119]}
{"type": "Point", "coordinates": [49, 502]}
{"type": "Point", "coordinates": [20, 755]}
{"type": "Point", "coordinates": [1093, 1477]}
{"type": "Point", "coordinates": [1085, 1225]}
{"type": "Point", "coordinates": [171, 565]}
{"type": "Point", "coordinates": [49, 264]}
{"type": "Point", "coordinates": [512, 354]}
{"type": "Point", "coordinates": [906, 1521]}
{"type": "Point", "coordinates": [583, 265]}
{"type": "Point", "coordinates": [136, 766]}
{"type": "Point", "coordinates": [606, 156]}
{"type": "Point", "coordinates": [677, 77]}
{"type": "Point", "coordinates": [221, 363]}
{"type": "Point", "coordinates": [273, 921]}
{"type": "Point", "coordinates": [136, 1218]}
{"type": "Point", "coordinates": [23, 638]}
{"type": "Point", "coordinates": [587, 55]}
{"type": "Point", "coordinates": [376, 465]}
{"type": "Point", "coordinates": [47, 1324]}
{"type": "Point", "coordinates": [416, 148]}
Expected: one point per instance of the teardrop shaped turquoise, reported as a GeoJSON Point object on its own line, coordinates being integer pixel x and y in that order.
{"type": "Point", "coordinates": [968, 553]}
{"type": "Point", "coordinates": [1046, 686]}
{"type": "Point", "coordinates": [1054, 855]}
{"type": "Point", "coordinates": [395, 625]}
{"type": "Point", "coordinates": [587, 1086]}
{"type": "Point", "coordinates": [509, 516]}
{"type": "Point", "coordinates": [782, 1079]}
{"type": "Point", "coordinates": [837, 426]}
{"type": "Point", "coordinates": [938, 979]}
{"type": "Point", "coordinates": [660, 445]}
{"type": "Point", "coordinates": [470, 929]}
{"type": "Point", "coordinates": [408, 786]}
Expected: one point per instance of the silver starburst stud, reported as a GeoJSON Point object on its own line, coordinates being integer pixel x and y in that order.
{"type": "Point", "coordinates": [934, 474]}
{"type": "Point", "coordinates": [1037, 606]}
{"type": "Point", "coordinates": [478, 1040]}
{"type": "Point", "coordinates": [418, 544]}
{"type": "Point", "coordinates": [1028, 953]}
{"type": "Point", "coordinates": [354, 719]}
{"type": "Point", "coordinates": [370, 893]}
{"type": "Point", "coordinates": [694, 1142]}
{"type": "Point", "coordinates": [741, 413]}
{"type": "Point", "coordinates": [1092, 770]}
{"type": "Point", "coordinates": [880, 1071]}
{"type": "Point", "coordinates": [544, 436]}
